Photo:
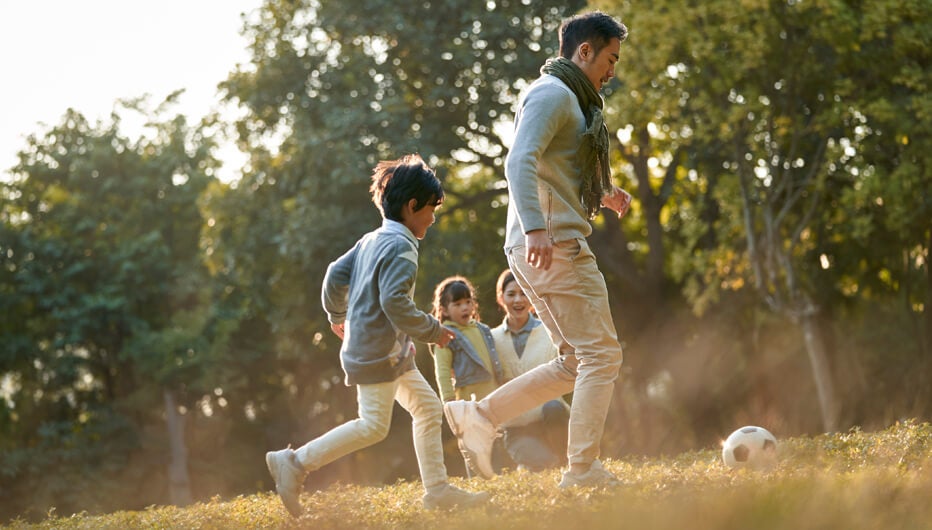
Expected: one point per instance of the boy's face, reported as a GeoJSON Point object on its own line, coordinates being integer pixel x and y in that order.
{"type": "Point", "coordinates": [418, 222]}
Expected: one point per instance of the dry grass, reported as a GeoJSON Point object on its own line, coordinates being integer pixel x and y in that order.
{"type": "Point", "coordinates": [877, 480]}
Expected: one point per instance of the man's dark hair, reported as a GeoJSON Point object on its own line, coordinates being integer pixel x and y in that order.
{"type": "Point", "coordinates": [596, 28]}
{"type": "Point", "coordinates": [395, 182]}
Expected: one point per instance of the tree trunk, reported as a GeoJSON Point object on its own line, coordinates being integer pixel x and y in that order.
{"type": "Point", "coordinates": [818, 359]}
{"type": "Point", "coordinates": [179, 483]}
{"type": "Point", "coordinates": [925, 335]}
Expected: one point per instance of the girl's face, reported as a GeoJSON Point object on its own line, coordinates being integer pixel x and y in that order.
{"type": "Point", "coordinates": [515, 302]}
{"type": "Point", "coordinates": [460, 311]}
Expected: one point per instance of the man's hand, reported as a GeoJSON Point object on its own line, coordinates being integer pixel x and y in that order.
{"type": "Point", "coordinates": [446, 335]}
{"type": "Point", "coordinates": [539, 249]}
{"type": "Point", "coordinates": [338, 329]}
{"type": "Point", "coordinates": [618, 201]}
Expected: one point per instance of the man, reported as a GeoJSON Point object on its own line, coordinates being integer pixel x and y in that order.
{"type": "Point", "coordinates": [558, 178]}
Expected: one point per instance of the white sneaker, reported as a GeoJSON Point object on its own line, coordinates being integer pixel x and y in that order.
{"type": "Point", "coordinates": [597, 477]}
{"type": "Point", "coordinates": [289, 478]}
{"type": "Point", "coordinates": [475, 435]}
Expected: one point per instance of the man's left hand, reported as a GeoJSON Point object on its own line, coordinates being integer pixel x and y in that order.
{"type": "Point", "coordinates": [618, 201]}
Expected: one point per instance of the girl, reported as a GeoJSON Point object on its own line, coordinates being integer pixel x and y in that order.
{"type": "Point", "coordinates": [468, 367]}
{"type": "Point", "coordinates": [537, 438]}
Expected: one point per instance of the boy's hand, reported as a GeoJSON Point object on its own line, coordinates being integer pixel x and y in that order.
{"type": "Point", "coordinates": [338, 329]}
{"type": "Point", "coordinates": [446, 335]}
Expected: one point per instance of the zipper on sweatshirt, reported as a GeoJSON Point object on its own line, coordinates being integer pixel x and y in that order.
{"type": "Point", "coordinates": [550, 213]}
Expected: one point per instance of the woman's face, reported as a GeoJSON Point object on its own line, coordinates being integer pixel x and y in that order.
{"type": "Point", "coordinates": [515, 301]}
{"type": "Point", "coordinates": [460, 311]}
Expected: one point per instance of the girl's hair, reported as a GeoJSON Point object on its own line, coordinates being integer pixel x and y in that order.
{"type": "Point", "coordinates": [453, 289]}
{"type": "Point", "coordinates": [396, 182]}
{"type": "Point", "coordinates": [504, 279]}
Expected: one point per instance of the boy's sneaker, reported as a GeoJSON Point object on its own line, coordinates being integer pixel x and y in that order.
{"type": "Point", "coordinates": [449, 496]}
{"type": "Point", "coordinates": [475, 435]}
{"type": "Point", "coordinates": [289, 478]}
{"type": "Point", "coordinates": [596, 477]}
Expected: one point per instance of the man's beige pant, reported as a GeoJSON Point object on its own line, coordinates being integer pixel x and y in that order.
{"type": "Point", "coordinates": [572, 302]}
{"type": "Point", "coordinates": [376, 401]}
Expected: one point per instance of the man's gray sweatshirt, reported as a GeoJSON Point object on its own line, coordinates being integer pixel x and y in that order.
{"type": "Point", "coordinates": [371, 289]}
{"type": "Point", "coordinates": [541, 167]}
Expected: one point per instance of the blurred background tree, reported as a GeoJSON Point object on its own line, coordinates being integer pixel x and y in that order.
{"type": "Point", "coordinates": [333, 88]}
{"type": "Point", "coordinates": [744, 131]}
{"type": "Point", "coordinates": [103, 288]}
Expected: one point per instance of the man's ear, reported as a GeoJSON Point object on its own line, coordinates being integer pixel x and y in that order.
{"type": "Point", "coordinates": [585, 51]}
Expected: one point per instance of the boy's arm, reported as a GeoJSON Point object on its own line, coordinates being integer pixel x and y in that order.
{"type": "Point", "coordinates": [396, 282]}
{"type": "Point", "coordinates": [335, 290]}
{"type": "Point", "coordinates": [443, 371]}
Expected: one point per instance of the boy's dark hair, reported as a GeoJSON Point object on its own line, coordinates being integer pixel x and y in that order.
{"type": "Point", "coordinates": [596, 28]}
{"type": "Point", "coordinates": [453, 289]}
{"type": "Point", "coordinates": [395, 182]}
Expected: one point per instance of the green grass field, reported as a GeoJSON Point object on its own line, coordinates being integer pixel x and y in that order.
{"type": "Point", "coordinates": [880, 480]}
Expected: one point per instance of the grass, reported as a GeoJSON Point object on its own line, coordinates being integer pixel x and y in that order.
{"type": "Point", "coordinates": [879, 480]}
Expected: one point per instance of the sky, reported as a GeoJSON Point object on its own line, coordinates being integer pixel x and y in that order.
{"type": "Point", "coordinates": [85, 55]}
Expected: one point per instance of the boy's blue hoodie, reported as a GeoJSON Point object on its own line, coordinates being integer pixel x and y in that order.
{"type": "Point", "coordinates": [371, 289]}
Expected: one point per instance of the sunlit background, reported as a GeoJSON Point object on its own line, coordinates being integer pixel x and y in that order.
{"type": "Point", "coordinates": [160, 329]}
{"type": "Point", "coordinates": [56, 54]}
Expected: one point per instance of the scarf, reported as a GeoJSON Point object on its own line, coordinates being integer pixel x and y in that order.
{"type": "Point", "coordinates": [592, 157]}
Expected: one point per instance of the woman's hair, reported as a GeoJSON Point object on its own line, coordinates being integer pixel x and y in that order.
{"type": "Point", "coordinates": [453, 289]}
{"type": "Point", "coordinates": [396, 182]}
{"type": "Point", "coordinates": [504, 279]}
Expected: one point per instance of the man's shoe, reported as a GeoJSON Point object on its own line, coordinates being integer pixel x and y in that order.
{"type": "Point", "coordinates": [449, 496]}
{"type": "Point", "coordinates": [289, 478]}
{"type": "Point", "coordinates": [596, 477]}
{"type": "Point", "coordinates": [475, 435]}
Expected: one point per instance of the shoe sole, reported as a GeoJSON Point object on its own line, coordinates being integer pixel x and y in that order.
{"type": "Point", "coordinates": [458, 432]}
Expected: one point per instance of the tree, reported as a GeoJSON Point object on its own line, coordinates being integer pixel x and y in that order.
{"type": "Point", "coordinates": [888, 211]}
{"type": "Point", "coordinates": [100, 250]}
{"type": "Point", "coordinates": [761, 107]}
{"type": "Point", "coordinates": [332, 88]}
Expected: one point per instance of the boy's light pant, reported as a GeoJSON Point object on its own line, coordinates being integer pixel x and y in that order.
{"type": "Point", "coordinates": [375, 401]}
{"type": "Point", "coordinates": [572, 302]}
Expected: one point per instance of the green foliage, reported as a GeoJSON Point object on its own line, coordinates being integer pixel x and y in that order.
{"type": "Point", "coordinates": [126, 269]}
{"type": "Point", "coordinates": [851, 480]}
{"type": "Point", "coordinates": [331, 89]}
{"type": "Point", "coordinates": [753, 134]}
{"type": "Point", "coordinates": [105, 280]}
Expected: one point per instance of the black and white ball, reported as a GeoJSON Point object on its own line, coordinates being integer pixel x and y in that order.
{"type": "Point", "coordinates": [751, 447]}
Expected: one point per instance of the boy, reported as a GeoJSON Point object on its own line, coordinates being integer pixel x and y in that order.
{"type": "Point", "coordinates": [367, 294]}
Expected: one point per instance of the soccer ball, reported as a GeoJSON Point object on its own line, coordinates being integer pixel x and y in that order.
{"type": "Point", "coordinates": [751, 447]}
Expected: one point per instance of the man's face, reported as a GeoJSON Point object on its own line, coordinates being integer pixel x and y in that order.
{"type": "Point", "coordinates": [598, 67]}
